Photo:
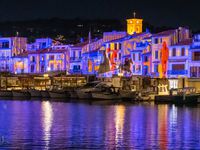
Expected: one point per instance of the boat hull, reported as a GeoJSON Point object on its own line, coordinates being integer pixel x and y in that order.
{"type": "Point", "coordinates": [35, 93]}
{"type": "Point", "coordinates": [45, 94]}
{"type": "Point", "coordinates": [6, 94]}
{"type": "Point", "coordinates": [21, 94]}
{"type": "Point", "coordinates": [59, 94]}
{"type": "Point", "coordinates": [105, 96]}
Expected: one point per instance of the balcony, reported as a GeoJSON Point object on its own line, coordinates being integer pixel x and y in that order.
{"type": "Point", "coordinates": [75, 59]}
{"type": "Point", "coordinates": [177, 72]}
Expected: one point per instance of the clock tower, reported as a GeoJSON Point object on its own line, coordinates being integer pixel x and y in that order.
{"type": "Point", "coordinates": [134, 25]}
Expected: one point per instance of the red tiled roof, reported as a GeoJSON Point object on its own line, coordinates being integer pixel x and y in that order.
{"type": "Point", "coordinates": [164, 33]}
{"type": "Point", "coordinates": [48, 50]}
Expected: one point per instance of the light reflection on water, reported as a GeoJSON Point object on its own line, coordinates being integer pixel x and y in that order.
{"type": "Point", "coordinates": [47, 119]}
{"type": "Point", "coordinates": [44, 125]}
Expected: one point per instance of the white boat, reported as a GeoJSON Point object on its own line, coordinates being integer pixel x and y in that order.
{"type": "Point", "coordinates": [105, 96]}
{"type": "Point", "coordinates": [35, 93]}
{"type": "Point", "coordinates": [21, 94]}
{"type": "Point", "coordinates": [6, 93]}
{"type": "Point", "coordinates": [83, 92]}
{"type": "Point", "coordinates": [59, 94]}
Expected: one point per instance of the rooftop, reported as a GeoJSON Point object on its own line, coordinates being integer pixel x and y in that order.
{"type": "Point", "coordinates": [164, 33]}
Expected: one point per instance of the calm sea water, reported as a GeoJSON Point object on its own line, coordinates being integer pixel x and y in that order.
{"type": "Point", "coordinates": [57, 125]}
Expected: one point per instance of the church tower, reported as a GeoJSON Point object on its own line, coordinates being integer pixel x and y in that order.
{"type": "Point", "coordinates": [134, 25]}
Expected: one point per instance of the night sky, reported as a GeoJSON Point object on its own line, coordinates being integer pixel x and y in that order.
{"type": "Point", "coordinates": [156, 12]}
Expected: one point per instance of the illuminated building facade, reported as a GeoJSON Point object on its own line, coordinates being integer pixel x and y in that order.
{"type": "Point", "coordinates": [39, 44]}
{"type": "Point", "coordinates": [178, 62]}
{"type": "Point", "coordinates": [10, 47]}
{"type": "Point", "coordinates": [168, 54]}
{"type": "Point", "coordinates": [160, 43]}
{"type": "Point", "coordinates": [48, 60]}
{"type": "Point", "coordinates": [194, 58]}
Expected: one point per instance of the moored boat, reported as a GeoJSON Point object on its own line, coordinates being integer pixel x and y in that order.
{"type": "Point", "coordinates": [59, 94]}
{"type": "Point", "coordinates": [45, 94]}
{"type": "Point", "coordinates": [35, 93]}
{"type": "Point", "coordinates": [84, 92]}
{"type": "Point", "coordinates": [105, 96]}
{"type": "Point", "coordinates": [5, 93]}
{"type": "Point", "coordinates": [21, 94]}
{"type": "Point", "coordinates": [127, 94]}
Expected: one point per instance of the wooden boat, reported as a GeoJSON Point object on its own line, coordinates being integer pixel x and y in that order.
{"type": "Point", "coordinates": [35, 93]}
{"type": "Point", "coordinates": [45, 94]}
{"type": "Point", "coordinates": [59, 94]}
{"type": "Point", "coordinates": [21, 94]}
{"type": "Point", "coordinates": [5, 93]}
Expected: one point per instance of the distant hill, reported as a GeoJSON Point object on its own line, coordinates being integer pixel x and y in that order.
{"type": "Point", "coordinates": [72, 30]}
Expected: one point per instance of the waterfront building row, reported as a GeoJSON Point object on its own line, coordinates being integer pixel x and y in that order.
{"type": "Point", "coordinates": [171, 54]}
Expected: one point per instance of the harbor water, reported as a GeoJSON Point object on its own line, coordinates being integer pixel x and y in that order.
{"type": "Point", "coordinates": [75, 125]}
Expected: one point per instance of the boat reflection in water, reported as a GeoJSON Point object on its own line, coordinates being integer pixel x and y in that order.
{"type": "Point", "coordinates": [58, 125]}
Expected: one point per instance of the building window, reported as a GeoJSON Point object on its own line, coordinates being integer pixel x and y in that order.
{"type": "Point", "coordinates": [174, 52]}
{"type": "Point", "coordinates": [120, 45]}
{"type": "Point", "coordinates": [139, 68]}
{"type": "Point", "coordinates": [156, 54]}
{"type": "Point", "coordinates": [194, 72]}
{"type": "Point", "coordinates": [182, 51]}
{"type": "Point", "coordinates": [42, 58]}
{"type": "Point", "coordinates": [51, 57]}
{"type": "Point", "coordinates": [42, 68]}
{"type": "Point", "coordinates": [178, 67]}
{"type": "Point", "coordinates": [52, 67]}
{"type": "Point", "coordinates": [196, 56]}
{"type": "Point", "coordinates": [156, 68]}
{"type": "Point", "coordinates": [115, 46]}
{"type": "Point", "coordinates": [156, 41]}
{"type": "Point", "coordinates": [145, 59]}
{"type": "Point", "coordinates": [4, 44]}
{"type": "Point", "coordinates": [33, 59]}
{"type": "Point", "coordinates": [133, 68]}
{"type": "Point", "coordinates": [120, 55]}
{"type": "Point", "coordinates": [133, 56]}
{"type": "Point", "coordinates": [79, 54]}
{"type": "Point", "coordinates": [74, 54]}
{"type": "Point", "coordinates": [32, 68]}
{"type": "Point", "coordinates": [139, 56]}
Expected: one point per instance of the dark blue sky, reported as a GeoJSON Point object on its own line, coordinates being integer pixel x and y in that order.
{"type": "Point", "coordinates": [156, 12]}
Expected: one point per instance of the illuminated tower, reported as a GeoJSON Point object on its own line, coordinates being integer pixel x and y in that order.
{"type": "Point", "coordinates": [134, 25]}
